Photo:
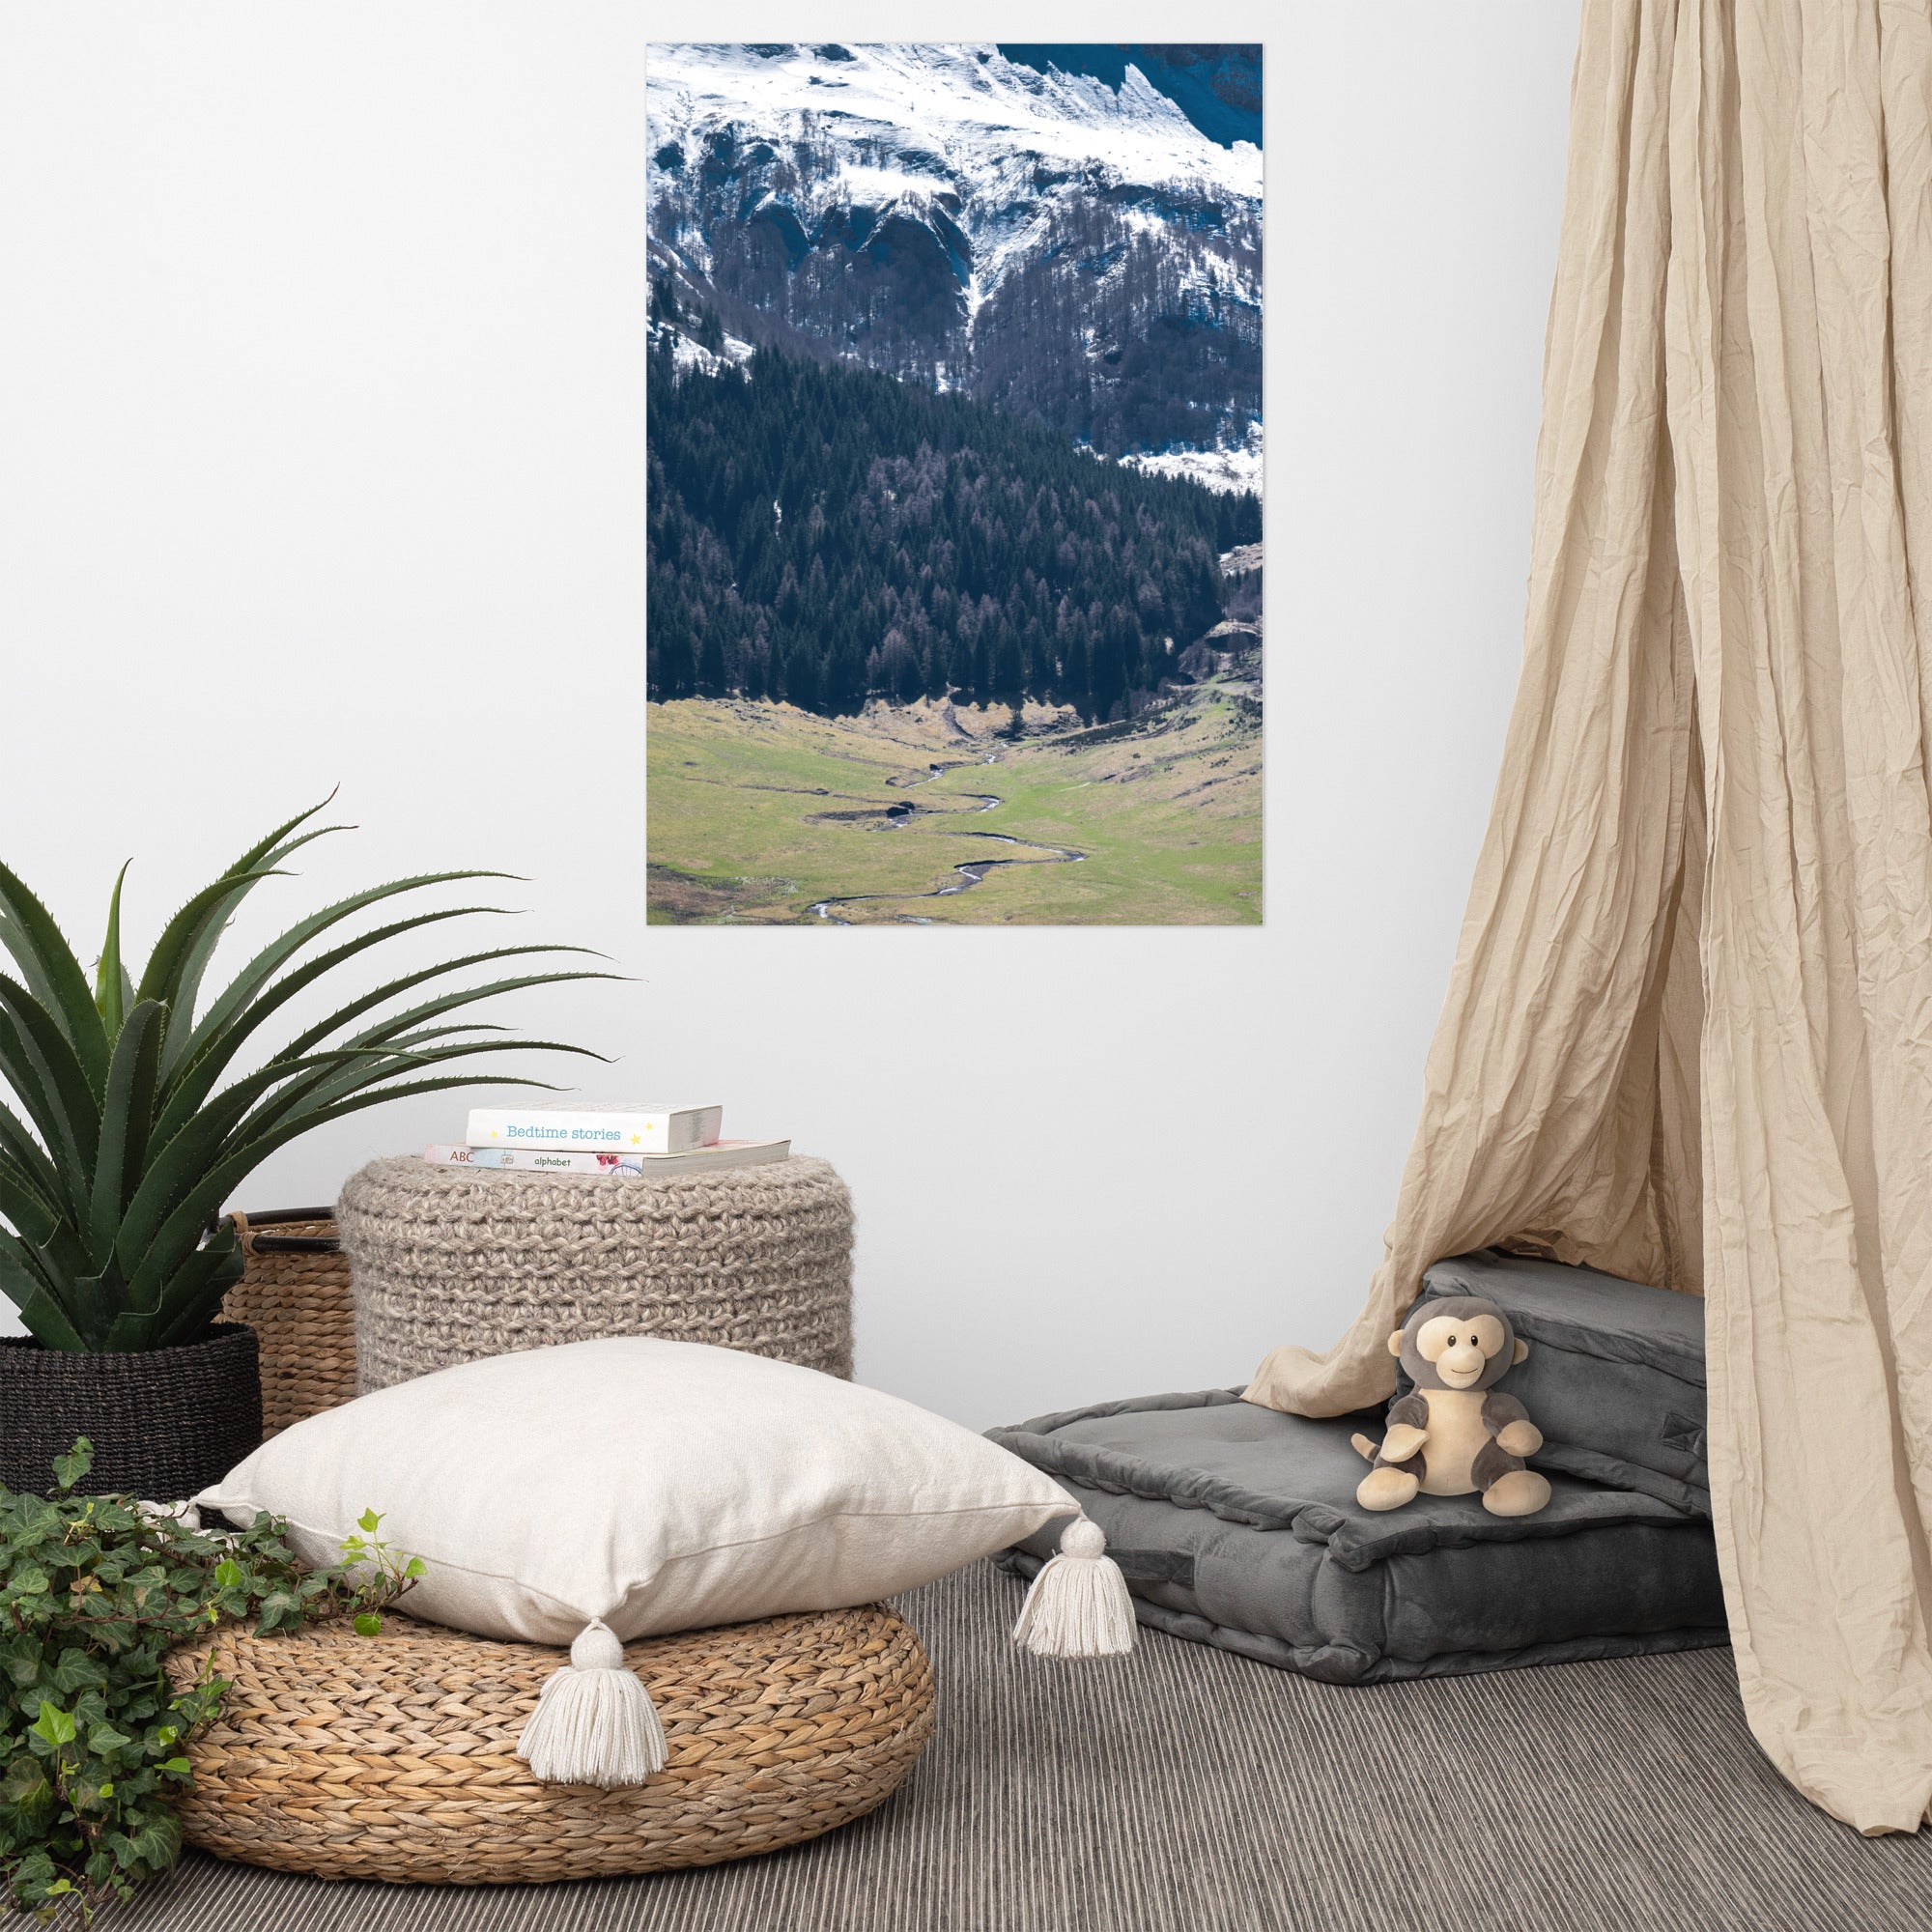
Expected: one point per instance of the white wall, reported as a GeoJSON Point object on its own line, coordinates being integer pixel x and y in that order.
{"type": "Point", "coordinates": [321, 459]}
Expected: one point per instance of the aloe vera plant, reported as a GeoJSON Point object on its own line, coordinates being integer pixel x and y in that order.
{"type": "Point", "coordinates": [124, 1140]}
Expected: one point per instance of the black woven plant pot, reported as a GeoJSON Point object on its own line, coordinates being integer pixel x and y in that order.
{"type": "Point", "coordinates": [164, 1423]}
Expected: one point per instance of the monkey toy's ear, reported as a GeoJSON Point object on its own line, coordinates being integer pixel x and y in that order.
{"type": "Point", "coordinates": [1395, 1342]}
{"type": "Point", "coordinates": [1521, 1354]}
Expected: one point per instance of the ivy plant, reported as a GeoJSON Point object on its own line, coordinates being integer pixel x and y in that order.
{"type": "Point", "coordinates": [95, 1591]}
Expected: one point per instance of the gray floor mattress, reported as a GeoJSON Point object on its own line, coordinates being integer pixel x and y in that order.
{"type": "Point", "coordinates": [1238, 1526]}
{"type": "Point", "coordinates": [1615, 1375]}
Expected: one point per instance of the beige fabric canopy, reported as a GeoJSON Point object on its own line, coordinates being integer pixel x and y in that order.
{"type": "Point", "coordinates": [1689, 1032]}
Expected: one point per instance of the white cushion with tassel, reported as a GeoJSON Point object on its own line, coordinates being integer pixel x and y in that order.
{"type": "Point", "coordinates": [604, 1491]}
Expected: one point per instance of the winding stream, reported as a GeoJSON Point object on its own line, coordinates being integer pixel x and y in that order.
{"type": "Point", "coordinates": [972, 870]}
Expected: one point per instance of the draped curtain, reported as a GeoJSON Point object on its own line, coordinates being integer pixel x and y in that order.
{"type": "Point", "coordinates": [1688, 1031]}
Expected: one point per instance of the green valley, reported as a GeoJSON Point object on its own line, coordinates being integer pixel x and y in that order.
{"type": "Point", "coordinates": [936, 813]}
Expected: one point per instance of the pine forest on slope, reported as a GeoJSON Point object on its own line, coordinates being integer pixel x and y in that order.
{"type": "Point", "coordinates": [823, 534]}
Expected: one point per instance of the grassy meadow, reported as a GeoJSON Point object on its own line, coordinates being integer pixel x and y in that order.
{"type": "Point", "coordinates": [760, 813]}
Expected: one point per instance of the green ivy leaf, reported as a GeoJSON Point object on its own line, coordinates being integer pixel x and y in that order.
{"type": "Point", "coordinates": [53, 1725]}
{"type": "Point", "coordinates": [69, 1468]}
{"type": "Point", "coordinates": [416, 1567]}
{"type": "Point", "coordinates": [228, 1573]}
{"type": "Point", "coordinates": [21, 1660]}
{"type": "Point", "coordinates": [176, 1767]}
{"type": "Point", "coordinates": [24, 1783]}
{"type": "Point", "coordinates": [156, 1844]}
{"type": "Point", "coordinates": [84, 1794]}
{"type": "Point", "coordinates": [368, 1624]}
{"type": "Point", "coordinates": [75, 1670]}
{"type": "Point", "coordinates": [35, 1876]}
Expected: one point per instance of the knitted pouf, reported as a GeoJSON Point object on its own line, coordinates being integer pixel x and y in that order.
{"type": "Point", "coordinates": [453, 1264]}
{"type": "Point", "coordinates": [395, 1756]}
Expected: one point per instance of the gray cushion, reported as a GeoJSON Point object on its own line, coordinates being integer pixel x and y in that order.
{"type": "Point", "coordinates": [1239, 1526]}
{"type": "Point", "coordinates": [1615, 1375]}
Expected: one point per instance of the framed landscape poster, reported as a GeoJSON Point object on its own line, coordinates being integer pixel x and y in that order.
{"type": "Point", "coordinates": [955, 455]}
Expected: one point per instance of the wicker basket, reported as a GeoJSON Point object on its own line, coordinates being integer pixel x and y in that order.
{"type": "Point", "coordinates": [296, 1297]}
{"type": "Point", "coordinates": [395, 1756]}
{"type": "Point", "coordinates": [164, 1421]}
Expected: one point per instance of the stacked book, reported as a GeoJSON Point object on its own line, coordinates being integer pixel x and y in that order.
{"type": "Point", "coordinates": [603, 1140]}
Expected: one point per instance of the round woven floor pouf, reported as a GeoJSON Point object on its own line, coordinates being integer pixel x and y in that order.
{"type": "Point", "coordinates": [452, 1264]}
{"type": "Point", "coordinates": [395, 1756]}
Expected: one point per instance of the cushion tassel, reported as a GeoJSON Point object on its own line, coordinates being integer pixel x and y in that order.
{"type": "Point", "coordinates": [1078, 1606]}
{"type": "Point", "coordinates": [594, 1723]}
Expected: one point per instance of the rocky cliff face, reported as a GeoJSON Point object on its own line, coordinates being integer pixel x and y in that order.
{"type": "Point", "coordinates": [1069, 246]}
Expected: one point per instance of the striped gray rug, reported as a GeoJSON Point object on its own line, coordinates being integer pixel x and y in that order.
{"type": "Point", "coordinates": [1189, 1791]}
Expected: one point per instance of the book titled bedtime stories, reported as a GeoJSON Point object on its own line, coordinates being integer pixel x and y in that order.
{"type": "Point", "coordinates": [541, 1161]}
{"type": "Point", "coordinates": [625, 1129]}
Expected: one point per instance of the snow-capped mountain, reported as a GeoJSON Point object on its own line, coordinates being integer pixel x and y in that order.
{"type": "Point", "coordinates": [1056, 244]}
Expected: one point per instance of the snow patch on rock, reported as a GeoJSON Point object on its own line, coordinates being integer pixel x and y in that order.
{"type": "Point", "coordinates": [1227, 469]}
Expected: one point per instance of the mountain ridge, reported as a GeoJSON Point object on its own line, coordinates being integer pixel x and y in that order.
{"type": "Point", "coordinates": [1217, 87]}
{"type": "Point", "coordinates": [1076, 253]}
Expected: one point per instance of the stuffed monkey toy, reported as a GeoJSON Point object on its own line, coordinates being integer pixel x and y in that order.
{"type": "Point", "coordinates": [1456, 1434]}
